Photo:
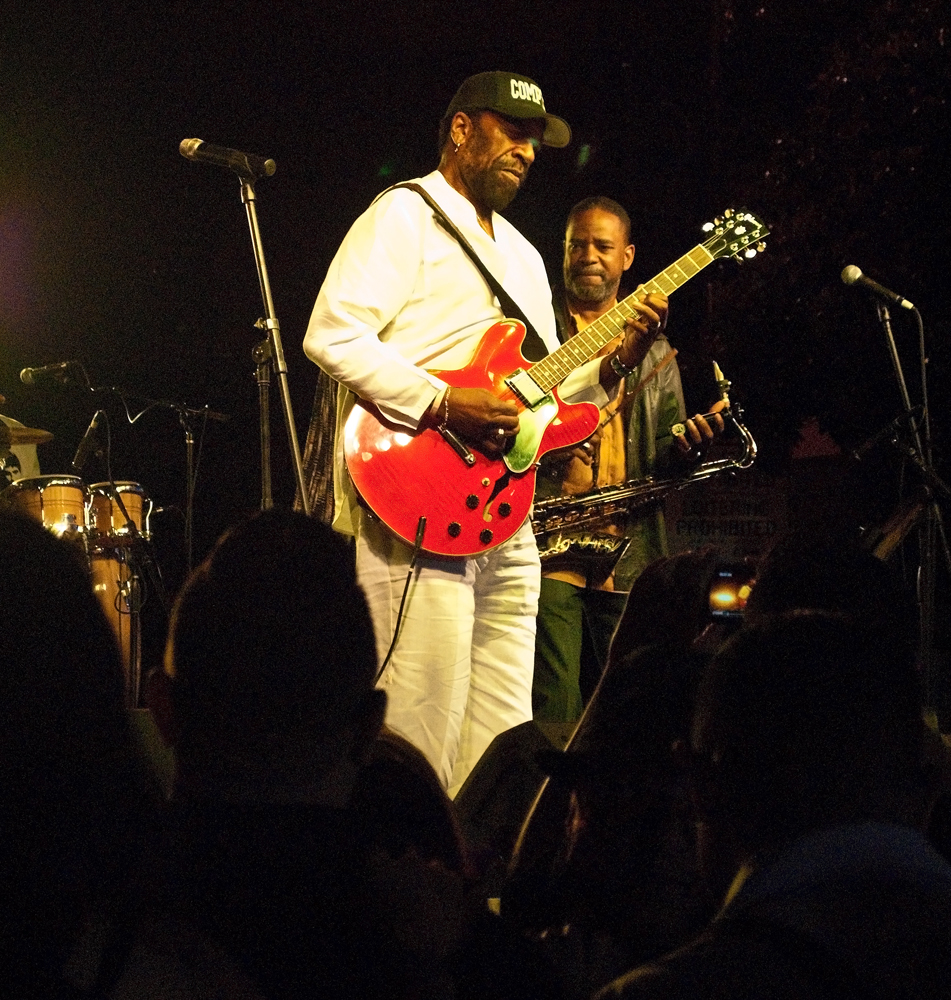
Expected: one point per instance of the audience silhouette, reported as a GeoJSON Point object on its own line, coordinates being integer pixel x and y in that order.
{"type": "Point", "coordinates": [75, 800]}
{"type": "Point", "coordinates": [268, 699]}
{"type": "Point", "coordinates": [806, 764]}
{"type": "Point", "coordinates": [747, 825]}
{"type": "Point", "coordinates": [604, 872]}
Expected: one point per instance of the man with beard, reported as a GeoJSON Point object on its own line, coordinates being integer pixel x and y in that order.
{"type": "Point", "coordinates": [583, 595]}
{"type": "Point", "coordinates": [402, 297]}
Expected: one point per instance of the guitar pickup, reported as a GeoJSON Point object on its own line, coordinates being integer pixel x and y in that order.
{"type": "Point", "coordinates": [525, 387]}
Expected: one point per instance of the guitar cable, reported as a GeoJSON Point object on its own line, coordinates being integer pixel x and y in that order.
{"type": "Point", "coordinates": [417, 547]}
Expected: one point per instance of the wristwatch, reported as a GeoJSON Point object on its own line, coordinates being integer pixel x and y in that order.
{"type": "Point", "coordinates": [619, 368]}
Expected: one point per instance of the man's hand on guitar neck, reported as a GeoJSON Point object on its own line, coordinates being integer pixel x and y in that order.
{"type": "Point", "coordinates": [640, 331]}
{"type": "Point", "coordinates": [478, 417]}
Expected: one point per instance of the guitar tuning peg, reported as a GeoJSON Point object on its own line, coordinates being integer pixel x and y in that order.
{"type": "Point", "coordinates": [760, 247]}
{"type": "Point", "coordinates": [728, 214]}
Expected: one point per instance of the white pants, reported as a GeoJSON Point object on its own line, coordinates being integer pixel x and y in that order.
{"type": "Point", "coordinates": [461, 672]}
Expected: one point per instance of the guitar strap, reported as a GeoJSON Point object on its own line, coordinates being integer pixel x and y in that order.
{"type": "Point", "coordinates": [533, 347]}
{"type": "Point", "coordinates": [318, 458]}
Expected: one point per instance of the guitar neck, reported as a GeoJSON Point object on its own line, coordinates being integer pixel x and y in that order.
{"type": "Point", "coordinates": [555, 368]}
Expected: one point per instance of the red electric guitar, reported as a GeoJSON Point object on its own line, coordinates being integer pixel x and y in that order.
{"type": "Point", "coordinates": [471, 502]}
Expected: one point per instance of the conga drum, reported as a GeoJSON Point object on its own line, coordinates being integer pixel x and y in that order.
{"type": "Point", "coordinates": [59, 503]}
{"type": "Point", "coordinates": [108, 524]}
{"type": "Point", "coordinates": [118, 589]}
{"type": "Point", "coordinates": [112, 566]}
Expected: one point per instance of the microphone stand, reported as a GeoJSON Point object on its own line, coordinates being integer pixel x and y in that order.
{"type": "Point", "coordinates": [262, 358]}
{"type": "Point", "coordinates": [931, 525]}
{"type": "Point", "coordinates": [186, 416]}
{"type": "Point", "coordinates": [185, 422]}
{"type": "Point", "coordinates": [266, 355]}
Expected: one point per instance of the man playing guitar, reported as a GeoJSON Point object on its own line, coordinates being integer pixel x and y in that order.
{"type": "Point", "coordinates": [400, 301]}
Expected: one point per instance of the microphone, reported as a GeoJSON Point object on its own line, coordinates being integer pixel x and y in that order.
{"type": "Point", "coordinates": [245, 165]}
{"type": "Point", "coordinates": [87, 444]}
{"type": "Point", "coordinates": [54, 373]}
{"type": "Point", "coordinates": [852, 275]}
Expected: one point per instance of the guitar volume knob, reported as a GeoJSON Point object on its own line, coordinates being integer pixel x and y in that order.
{"type": "Point", "coordinates": [505, 509]}
{"type": "Point", "coordinates": [454, 530]}
{"type": "Point", "coordinates": [472, 501]}
{"type": "Point", "coordinates": [485, 536]}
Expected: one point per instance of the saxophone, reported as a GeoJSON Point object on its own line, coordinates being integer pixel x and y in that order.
{"type": "Point", "coordinates": [576, 523]}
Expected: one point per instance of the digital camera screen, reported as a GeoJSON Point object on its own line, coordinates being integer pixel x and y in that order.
{"type": "Point", "coordinates": [729, 590]}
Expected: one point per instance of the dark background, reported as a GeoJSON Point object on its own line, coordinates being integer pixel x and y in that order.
{"type": "Point", "coordinates": [828, 119]}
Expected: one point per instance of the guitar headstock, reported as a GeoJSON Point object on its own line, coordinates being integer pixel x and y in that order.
{"type": "Point", "coordinates": [735, 234]}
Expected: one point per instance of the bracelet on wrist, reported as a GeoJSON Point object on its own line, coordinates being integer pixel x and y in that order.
{"type": "Point", "coordinates": [619, 368]}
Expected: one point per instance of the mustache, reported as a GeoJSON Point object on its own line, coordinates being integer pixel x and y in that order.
{"type": "Point", "coordinates": [580, 272]}
{"type": "Point", "coordinates": [510, 163]}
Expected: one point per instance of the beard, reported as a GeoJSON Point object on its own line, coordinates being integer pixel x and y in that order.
{"type": "Point", "coordinates": [595, 294]}
{"type": "Point", "coordinates": [488, 182]}
{"type": "Point", "coordinates": [493, 187]}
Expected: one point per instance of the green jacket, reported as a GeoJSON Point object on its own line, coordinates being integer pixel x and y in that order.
{"type": "Point", "coordinates": [650, 448]}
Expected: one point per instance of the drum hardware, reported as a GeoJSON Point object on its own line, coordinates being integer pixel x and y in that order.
{"type": "Point", "coordinates": [119, 520]}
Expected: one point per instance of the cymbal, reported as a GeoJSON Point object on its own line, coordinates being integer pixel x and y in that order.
{"type": "Point", "coordinates": [29, 435]}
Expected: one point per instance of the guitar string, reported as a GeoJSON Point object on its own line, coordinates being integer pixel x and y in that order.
{"type": "Point", "coordinates": [606, 327]}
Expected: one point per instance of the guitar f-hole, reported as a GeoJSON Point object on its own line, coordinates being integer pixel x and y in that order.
{"type": "Point", "coordinates": [500, 485]}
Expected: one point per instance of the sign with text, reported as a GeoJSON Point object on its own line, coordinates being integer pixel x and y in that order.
{"type": "Point", "coordinates": [740, 514]}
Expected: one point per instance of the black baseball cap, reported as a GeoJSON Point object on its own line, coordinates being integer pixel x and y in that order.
{"type": "Point", "coordinates": [512, 95]}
